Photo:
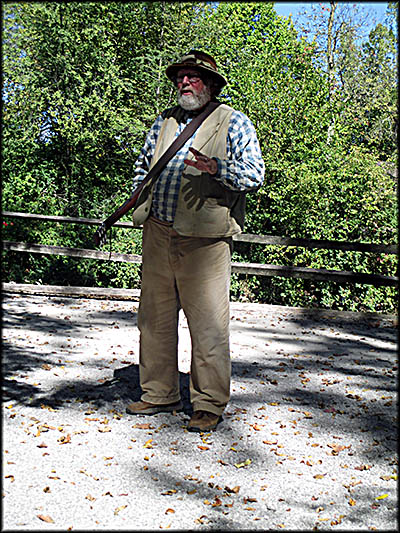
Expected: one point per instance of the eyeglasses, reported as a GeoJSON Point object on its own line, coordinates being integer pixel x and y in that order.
{"type": "Point", "coordinates": [193, 78]}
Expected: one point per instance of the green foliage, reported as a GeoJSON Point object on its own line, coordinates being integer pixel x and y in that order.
{"type": "Point", "coordinates": [83, 83]}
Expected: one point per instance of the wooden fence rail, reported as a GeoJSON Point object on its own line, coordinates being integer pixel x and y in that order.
{"type": "Point", "coordinates": [245, 268]}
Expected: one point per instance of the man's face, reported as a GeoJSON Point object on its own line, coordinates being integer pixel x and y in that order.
{"type": "Point", "coordinates": [193, 93]}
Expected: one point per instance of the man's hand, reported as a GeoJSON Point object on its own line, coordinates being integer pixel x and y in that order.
{"type": "Point", "coordinates": [202, 162]}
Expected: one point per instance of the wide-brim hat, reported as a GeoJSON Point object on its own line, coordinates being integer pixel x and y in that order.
{"type": "Point", "coordinates": [199, 60]}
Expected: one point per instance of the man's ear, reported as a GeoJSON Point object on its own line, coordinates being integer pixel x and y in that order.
{"type": "Point", "coordinates": [214, 86]}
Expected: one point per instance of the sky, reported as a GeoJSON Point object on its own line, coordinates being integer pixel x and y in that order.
{"type": "Point", "coordinates": [285, 8]}
{"type": "Point", "coordinates": [377, 10]}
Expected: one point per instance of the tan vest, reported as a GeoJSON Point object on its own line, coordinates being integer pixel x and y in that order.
{"type": "Point", "coordinates": [204, 206]}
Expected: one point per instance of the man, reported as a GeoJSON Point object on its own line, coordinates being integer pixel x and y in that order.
{"type": "Point", "coordinates": [194, 208]}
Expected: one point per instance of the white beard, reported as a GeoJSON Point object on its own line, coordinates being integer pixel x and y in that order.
{"type": "Point", "coordinates": [191, 102]}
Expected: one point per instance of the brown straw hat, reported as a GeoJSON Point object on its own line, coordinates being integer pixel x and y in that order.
{"type": "Point", "coordinates": [199, 60]}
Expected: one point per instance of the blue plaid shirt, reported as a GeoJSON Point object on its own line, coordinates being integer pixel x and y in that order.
{"type": "Point", "coordinates": [242, 170]}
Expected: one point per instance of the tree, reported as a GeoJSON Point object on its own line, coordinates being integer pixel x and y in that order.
{"type": "Point", "coordinates": [362, 71]}
{"type": "Point", "coordinates": [84, 81]}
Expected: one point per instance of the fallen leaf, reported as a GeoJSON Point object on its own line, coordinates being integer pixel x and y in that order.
{"type": "Point", "coordinates": [382, 497]}
{"type": "Point", "coordinates": [10, 477]}
{"type": "Point", "coordinates": [169, 511]}
{"type": "Point", "coordinates": [217, 502]}
{"type": "Point", "coordinates": [42, 406]}
{"type": "Point", "coordinates": [143, 426]}
{"type": "Point", "coordinates": [338, 521]}
{"type": "Point", "coordinates": [245, 463]}
{"type": "Point", "coordinates": [336, 448]}
{"type": "Point", "coordinates": [319, 476]}
{"type": "Point", "coordinates": [118, 509]}
{"type": "Point", "coordinates": [352, 502]}
{"type": "Point", "coordinates": [235, 489]}
{"type": "Point", "coordinates": [64, 439]}
{"type": "Point", "coordinates": [45, 518]}
{"type": "Point", "coordinates": [363, 467]}
{"type": "Point", "coordinates": [203, 447]}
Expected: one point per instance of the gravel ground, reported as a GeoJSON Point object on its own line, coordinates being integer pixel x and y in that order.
{"type": "Point", "coordinates": [308, 441]}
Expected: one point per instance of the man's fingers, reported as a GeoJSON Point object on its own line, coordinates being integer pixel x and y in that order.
{"type": "Point", "coordinates": [194, 151]}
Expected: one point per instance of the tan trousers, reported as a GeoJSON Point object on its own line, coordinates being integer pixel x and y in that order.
{"type": "Point", "coordinates": [193, 274]}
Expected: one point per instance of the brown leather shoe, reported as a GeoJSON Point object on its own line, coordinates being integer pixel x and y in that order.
{"type": "Point", "coordinates": [203, 421]}
{"type": "Point", "coordinates": [146, 408]}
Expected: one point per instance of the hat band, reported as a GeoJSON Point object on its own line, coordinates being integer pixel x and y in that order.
{"type": "Point", "coordinates": [198, 61]}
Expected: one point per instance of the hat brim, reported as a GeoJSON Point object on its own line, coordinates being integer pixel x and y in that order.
{"type": "Point", "coordinates": [173, 69]}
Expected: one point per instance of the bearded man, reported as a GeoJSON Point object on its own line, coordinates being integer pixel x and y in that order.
{"type": "Point", "coordinates": [192, 211]}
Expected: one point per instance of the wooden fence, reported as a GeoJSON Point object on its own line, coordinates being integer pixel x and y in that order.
{"type": "Point", "coordinates": [258, 269]}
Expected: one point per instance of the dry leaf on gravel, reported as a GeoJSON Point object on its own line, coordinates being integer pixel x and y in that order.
{"type": "Point", "coordinates": [118, 509]}
{"type": "Point", "coordinates": [235, 489]}
{"type": "Point", "coordinates": [363, 467]}
{"type": "Point", "coordinates": [44, 518]}
{"type": "Point", "coordinates": [245, 463]}
{"type": "Point", "coordinates": [336, 448]}
{"type": "Point", "coordinates": [382, 497]}
{"type": "Point", "coordinates": [143, 426]}
{"type": "Point", "coordinates": [201, 519]}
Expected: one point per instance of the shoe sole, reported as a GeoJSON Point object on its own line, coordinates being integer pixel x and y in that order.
{"type": "Point", "coordinates": [156, 410]}
{"type": "Point", "coordinates": [194, 429]}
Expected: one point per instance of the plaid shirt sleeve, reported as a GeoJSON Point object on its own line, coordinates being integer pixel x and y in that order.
{"type": "Point", "coordinates": [142, 164]}
{"type": "Point", "coordinates": [243, 169]}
